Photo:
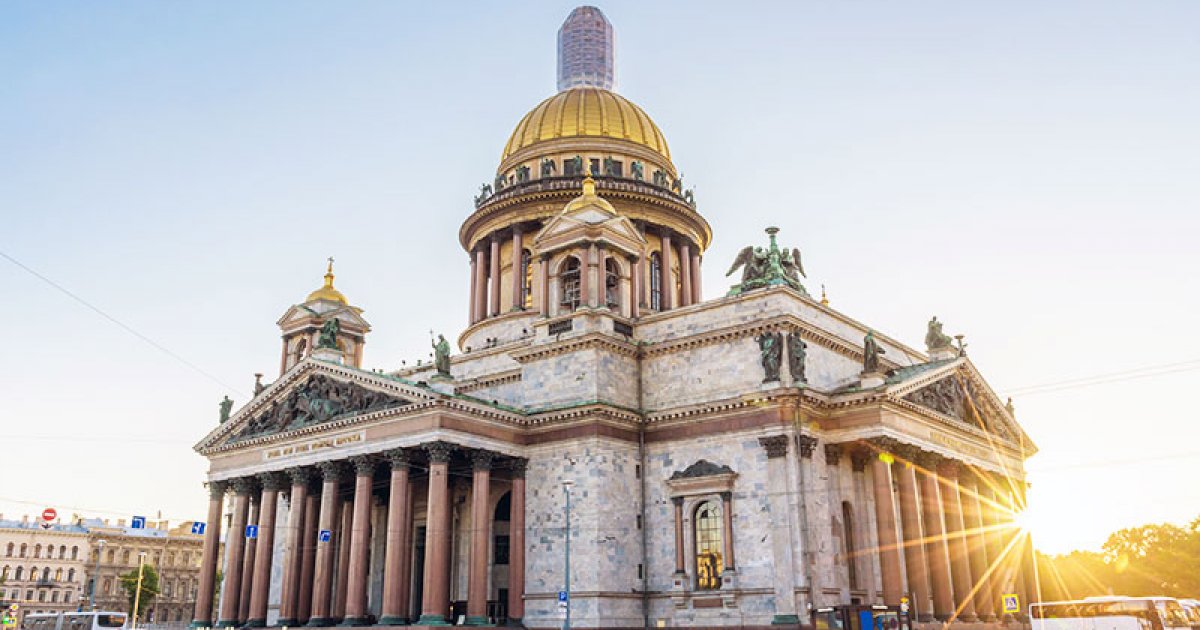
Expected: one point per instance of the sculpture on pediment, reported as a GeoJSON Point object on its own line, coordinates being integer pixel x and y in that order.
{"type": "Point", "coordinates": [637, 170]}
{"type": "Point", "coordinates": [547, 169]}
{"type": "Point", "coordinates": [441, 350]}
{"type": "Point", "coordinates": [935, 339]}
{"type": "Point", "coordinates": [769, 266]}
{"type": "Point", "coordinates": [226, 407]}
{"type": "Point", "coordinates": [320, 399]}
{"type": "Point", "coordinates": [770, 352]}
{"type": "Point", "coordinates": [797, 352]}
{"type": "Point", "coordinates": [871, 352]}
{"type": "Point", "coordinates": [329, 333]}
{"type": "Point", "coordinates": [944, 396]}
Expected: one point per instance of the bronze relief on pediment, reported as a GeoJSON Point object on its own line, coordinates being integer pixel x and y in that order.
{"type": "Point", "coordinates": [318, 400]}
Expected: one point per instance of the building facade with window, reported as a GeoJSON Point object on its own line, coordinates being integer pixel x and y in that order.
{"type": "Point", "coordinates": [731, 461]}
{"type": "Point", "coordinates": [41, 565]}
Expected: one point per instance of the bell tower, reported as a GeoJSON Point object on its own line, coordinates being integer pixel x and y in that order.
{"type": "Point", "coordinates": [302, 323]}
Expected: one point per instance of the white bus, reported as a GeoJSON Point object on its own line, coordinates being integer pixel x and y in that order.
{"type": "Point", "coordinates": [1110, 613]}
{"type": "Point", "coordinates": [99, 620]}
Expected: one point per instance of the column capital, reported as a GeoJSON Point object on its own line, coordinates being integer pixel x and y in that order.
{"type": "Point", "coordinates": [807, 444]}
{"type": "Point", "coordinates": [364, 465]}
{"type": "Point", "coordinates": [518, 465]}
{"type": "Point", "coordinates": [398, 458]}
{"type": "Point", "coordinates": [217, 489]}
{"type": "Point", "coordinates": [949, 468]}
{"type": "Point", "coordinates": [482, 460]}
{"type": "Point", "coordinates": [833, 454]}
{"type": "Point", "coordinates": [907, 453]}
{"type": "Point", "coordinates": [727, 496]}
{"type": "Point", "coordinates": [928, 461]}
{"type": "Point", "coordinates": [244, 485]}
{"type": "Point", "coordinates": [678, 501]}
{"type": "Point", "coordinates": [860, 457]}
{"type": "Point", "coordinates": [331, 470]}
{"type": "Point", "coordinates": [439, 452]}
{"type": "Point", "coordinates": [301, 475]}
{"type": "Point", "coordinates": [273, 481]}
{"type": "Point", "coordinates": [775, 445]}
{"type": "Point", "coordinates": [885, 443]}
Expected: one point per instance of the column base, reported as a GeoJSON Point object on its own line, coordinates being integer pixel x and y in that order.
{"type": "Point", "coordinates": [942, 617]}
{"type": "Point", "coordinates": [987, 618]}
{"type": "Point", "coordinates": [200, 624]}
{"type": "Point", "coordinates": [393, 620]}
{"type": "Point", "coordinates": [785, 620]}
{"type": "Point", "coordinates": [926, 618]}
{"type": "Point", "coordinates": [431, 620]}
{"type": "Point", "coordinates": [514, 622]}
{"type": "Point", "coordinates": [476, 620]}
{"type": "Point", "coordinates": [320, 622]}
{"type": "Point", "coordinates": [967, 618]}
{"type": "Point", "coordinates": [287, 622]}
{"type": "Point", "coordinates": [227, 623]}
{"type": "Point", "coordinates": [355, 621]}
{"type": "Point", "coordinates": [256, 623]}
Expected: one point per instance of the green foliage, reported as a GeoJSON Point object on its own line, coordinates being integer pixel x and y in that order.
{"type": "Point", "coordinates": [129, 582]}
{"type": "Point", "coordinates": [1137, 561]}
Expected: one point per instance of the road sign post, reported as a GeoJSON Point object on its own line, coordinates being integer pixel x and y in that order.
{"type": "Point", "coordinates": [1011, 603]}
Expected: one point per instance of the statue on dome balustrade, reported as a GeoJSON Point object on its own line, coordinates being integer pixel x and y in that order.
{"type": "Point", "coordinates": [522, 174]}
{"type": "Point", "coordinates": [766, 267]}
{"type": "Point", "coordinates": [660, 179]}
{"type": "Point", "coordinates": [610, 167]}
{"type": "Point", "coordinates": [547, 167]}
{"type": "Point", "coordinates": [485, 191]}
{"type": "Point", "coordinates": [637, 170]}
{"type": "Point", "coordinates": [576, 166]}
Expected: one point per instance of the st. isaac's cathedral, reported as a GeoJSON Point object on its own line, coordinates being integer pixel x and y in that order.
{"type": "Point", "coordinates": [730, 461]}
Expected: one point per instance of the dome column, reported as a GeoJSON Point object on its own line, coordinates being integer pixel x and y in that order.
{"type": "Point", "coordinates": [695, 264]}
{"type": "Point", "coordinates": [474, 289]}
{"type": "Point", "coordinates": [585, 276]}
{"type": "Point", "coordinates": [494, 276]}
{"type": "Point", "coordinates": [635, 287]}
{"type": "Point", "coordinates": [685, 273]}
{"type": "Point", "coordinates": [480, 297]}
{"type": "Point", "coordinates": [518, 278]}
{"type": "Point", "coordinates": [667, 299]}
{"type": "Point", "coordinates": [544, 281]}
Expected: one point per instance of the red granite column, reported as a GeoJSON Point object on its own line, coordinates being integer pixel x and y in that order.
{"type": "Point", "coordinates": [344, 536]}
{"type": "Point", "coordinates": [360, 543]}
{"type": "Point", "coordinates": [518, 278]}
{"type": "Point", "coordinates": [585, 276]}
{"type": "Point", "coordinates": [308, 549]}
{"type": "Point", "coordinates": [697, 293]}
{"type": "Point", "coordinates": [685, 272]}
{"type": "Point", "coordinates": [544, 289]}
{"type": "Point", "coordinates": [680, 566]}
{"type": "Point", "coordinates": [481, 520]}
{"type": "Point", "coordinates": [494, 276]}
{"type": "Point", "coordinates": [244, 596]}
{"type": "Point", "coordinates": [406, 549]}
{"type": "Point", "coordinates": [474, 289]}
{"type": "Point", "coordinates": [202, 616]}
{"type": "Point", "coordinates": [516, 547]}
{"type": "Point", "coordinates": [394, 595]}
{"type": "Point", "coordinates": [481, 289]}
{"type": "Point", "coordinates": [985, 597]}
{"type": "Point", "coordinates": [914, 548]}
{"type": "Point", "coordinates": [292, 552]}
{"type": "Point", "coordinates": [727, 528]}
{"type": "Point", "coordinates": [964, 602]}
{"type": "Point", "coordinates": [635, 288]}
{"type": "Point", "coordinates": [667, 299]}
{"type": "Point", "coordinates": [436, 602]}
{"type": "Point", "coordinates": [936, 551]}
{"type": "Point", "coordinates": [272, 484]}
{"type": "Point", "coordinates": [885, 525]}
{"type": "Point", "coordinates": [997, 554]}
{"type": "Point", "coordinates": [234, 547]}
{"type": "Point", "coordinates": [331, 473]}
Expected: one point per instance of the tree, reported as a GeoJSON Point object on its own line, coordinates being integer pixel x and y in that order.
{"type": "Point", "coordinates": [129, 582]}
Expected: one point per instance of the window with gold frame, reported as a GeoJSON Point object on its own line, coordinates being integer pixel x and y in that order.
{"type": "Point", "coordinates": [709, 545]}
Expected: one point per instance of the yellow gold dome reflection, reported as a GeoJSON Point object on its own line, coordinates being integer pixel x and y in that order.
{"type": "Point", "coordinates": [587, 111]}
{"type": "Point", "coordinates": [327, 292]}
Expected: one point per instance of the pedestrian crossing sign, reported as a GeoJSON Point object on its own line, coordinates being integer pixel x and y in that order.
{"type": "Point", "coordinates": [1012, 603]}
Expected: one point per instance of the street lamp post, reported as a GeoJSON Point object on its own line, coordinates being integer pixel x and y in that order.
{"type": "Point", "coordinates": [567, 573]}
{"type": "Point", "coordinates": [96, 574]}
{"type": "Point", "coordinates": [137, 594]}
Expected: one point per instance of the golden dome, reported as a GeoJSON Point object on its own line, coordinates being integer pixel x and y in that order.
{"type": "Point", "coordinates": [327, 292]}
{"type": "Point", "coordinates": [587, 112]}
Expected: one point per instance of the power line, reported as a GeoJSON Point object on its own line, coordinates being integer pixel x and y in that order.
{"type": "Point", "coordinates": [121, 324]}
{"type": "Point", "coordinates": [1100, 379]}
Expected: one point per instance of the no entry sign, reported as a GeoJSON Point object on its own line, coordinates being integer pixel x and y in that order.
{"type": "Point", "coordinates": [49, 514]}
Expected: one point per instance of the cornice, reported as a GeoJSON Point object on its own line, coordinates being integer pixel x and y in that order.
{"type": "Point", "coordinates": [587, 341]}
{"type": "Point", "coordinates": [492, 380]}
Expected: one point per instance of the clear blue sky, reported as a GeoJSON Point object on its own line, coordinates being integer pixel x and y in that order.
{"type": "Point", "coordinates": [1027, 171]}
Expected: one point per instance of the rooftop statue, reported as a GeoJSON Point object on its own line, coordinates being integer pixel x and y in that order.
{"type": "Point", "coordinates": [768, 267]}
{"type": "Point", "coordinates": [441, 349]}
{"type": "Point", "coordinates": [871, 352]}
{"type": "Point", "coordinates": [637, 170]}
{"type": "Point", "coordinates": [226, 407]}
{"type": "Point", "coordinates": [770, 352]}
{"type": "Point", "coordinates": [547, 167]}
{"type": "Point", "coordinates": [935, 339]}
{"type": "Point", "coordinates": [329, 333]}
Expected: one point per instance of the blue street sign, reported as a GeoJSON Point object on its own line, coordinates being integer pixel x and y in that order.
{"type": "Point", "coordinates": [139, 522]}
{"type": "Point", "coordinates": [197, 528]}
{"type": "Point", "coordinates": [562, 596]}
{"type": "Point", "coordinates": [252, 531]}
{"type": "Point", "coordinates": [324, 535]}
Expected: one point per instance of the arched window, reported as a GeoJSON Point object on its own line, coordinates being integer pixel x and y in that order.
{"type": "Point", "coordinates": [75, 552]}
{"type": "Point", "coordinates": [20, 574]}
{"type": "Point", "coordinates": [71, 575]}
{"type": "Point", "coordinates": [46, 573]}
{"type": "Point", "coordinates": [41, 596]}
{"type": "Point", "coordinates": [167, 589]}
{"type": "Point", "coordinates": [655, 281]}
{"type": "Point", "coordinates": [37, 551]}
{"type": "Point", "coordinates": [112, 556]}
{"type": "Point", "coordinates": [24, 547]}
{"type": "Point", "coordinates": [848, 538]}
{"type": "Point", "coordinates": [108, 585]}
{"type": "Point", "coordinates": [612, 284]}
{"type": "Point", "coordinates": [66, 596]}
{"type": "Point", "coordinates": [58, 573]}
{"type": "Point", "coordinates": [54, 597]}
{"type": "Point", "coordinates": [568, 281]}
{"type": "Point", "coordinates": [4, 574]}
{"type": "Point", "coordinates": [526, 276]}
{"type": "Point", "coordinates": [709, 547]}
{"type": "Point", "coordinates": [125, 557]}
{"type": "Point", "coordinates": [62, 551]}
{"type": "Point", "coordinates": [9, 552]}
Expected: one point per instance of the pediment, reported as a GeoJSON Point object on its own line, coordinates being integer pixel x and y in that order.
{"type": "Point", "coordinates": [349, 316]}
{"type": "Point", "coordinates": [589, 223]}
{"type": "Point", "coordinates": [955, 389]}
{"type": "Point", "coordinates": [702, 468]}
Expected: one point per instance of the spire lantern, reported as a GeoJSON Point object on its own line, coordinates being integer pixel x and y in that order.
{"type": "Point", "coordinates": [327, 292]}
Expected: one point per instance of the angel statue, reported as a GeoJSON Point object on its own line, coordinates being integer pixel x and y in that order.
{"type": "Point", "coordinates": [770, 266]}
{"type": "Point", "coordinates": [792, 267]}
{"type": "Point", "coordinates": [752, 260]}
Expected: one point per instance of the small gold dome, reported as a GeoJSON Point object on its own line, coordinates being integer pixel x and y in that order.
{"type": "Point", "coordinates": [587, 111]}
{"type": "Point", "coordinates": [327, 292]}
